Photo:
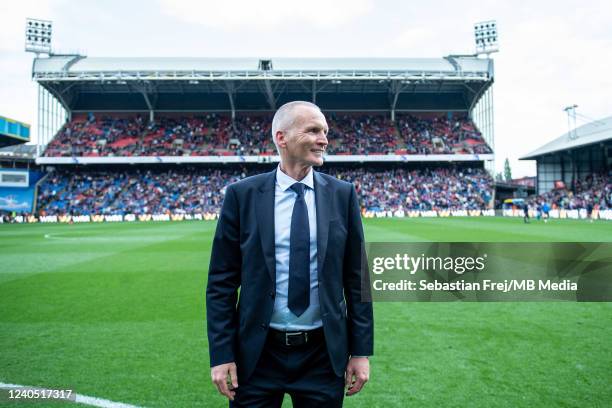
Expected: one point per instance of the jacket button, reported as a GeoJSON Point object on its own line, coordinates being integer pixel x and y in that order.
{"type": "Point", "coordinates": [263, 326]}
{"type": "Point", "coordinates": [272, 294]}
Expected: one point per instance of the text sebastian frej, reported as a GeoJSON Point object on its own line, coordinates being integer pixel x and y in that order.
{"type": "Point", "coordinates": [458, 265]}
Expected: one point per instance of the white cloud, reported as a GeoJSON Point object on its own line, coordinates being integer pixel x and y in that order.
{"type": "Point", "coordinates": [266, 15]}
{"type": "Point", "coordinates": [414, 38]}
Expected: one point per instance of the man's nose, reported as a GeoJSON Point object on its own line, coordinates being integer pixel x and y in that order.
{"type": "Point", "coordinates": [322, 139]}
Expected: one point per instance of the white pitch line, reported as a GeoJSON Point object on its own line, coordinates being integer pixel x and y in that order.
{"type": "Point", "coordinates": [88, 239]}
{"type": "Point", "coordinates": [81, 399]}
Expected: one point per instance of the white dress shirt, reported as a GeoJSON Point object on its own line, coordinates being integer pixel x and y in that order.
{"type": "Point", "coordinates": [284, 199]}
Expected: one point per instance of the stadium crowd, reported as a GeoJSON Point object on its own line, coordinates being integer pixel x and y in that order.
{"type": "Point", "coordinates": [423, 189]}
{"type": "Point", "coordinates": [197, 190]}
{"type": "Point", "coordinates": [217, 135]}
{"type": "Point", "coordinates": [138, 192]}
{"type": "Point", "coordinates": [594, 191]}
{"type": "Point", "coordinates": [441, 135]}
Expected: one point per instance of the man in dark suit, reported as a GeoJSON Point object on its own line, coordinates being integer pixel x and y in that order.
{"type": "Point", "coordinates": [287, 291]}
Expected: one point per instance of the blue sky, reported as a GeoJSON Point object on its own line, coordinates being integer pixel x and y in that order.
{"type": "Point", "coordinates": [552, 53]}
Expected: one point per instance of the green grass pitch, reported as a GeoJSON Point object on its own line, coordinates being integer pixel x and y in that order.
{"type": "Point", "coordinates": [116, 311]}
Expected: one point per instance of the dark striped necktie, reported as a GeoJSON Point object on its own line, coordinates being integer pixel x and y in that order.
{"type": "Point", "coordinates": [299, 254]}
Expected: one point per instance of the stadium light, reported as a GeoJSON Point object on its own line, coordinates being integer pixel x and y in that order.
{"type": "Point", "coordinates": [571, 119]}
{"type": "Point", "coordinates": [38, 36]}
{"type": "Point", "coordinates": [485, 37]}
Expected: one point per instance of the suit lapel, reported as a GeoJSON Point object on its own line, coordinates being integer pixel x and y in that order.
{"type": "Point", "coordinates": [323, 200]}
{"type": "Point", "coordinates": [264, 206]}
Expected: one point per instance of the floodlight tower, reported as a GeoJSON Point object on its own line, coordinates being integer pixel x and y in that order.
{"type": "Point", "coordinates": [51, 113]}
{"type": "Point", "coordinates": [571, 119]}
{"type": "Point", "coordinates": [38, 36]}
{"type": "Point", "coordinates": [485, 37]}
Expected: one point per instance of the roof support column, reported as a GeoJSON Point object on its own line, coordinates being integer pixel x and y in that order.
{"type": "Point", "coordinates": [39, 141]}
{"type": "Point", "coordinates": [314, 92]}
{"type": "Point", "coordinates": [150, 97]}
{"type": "Point", "coordinates": [562, 168]}
{"type": "Point", "coordinates": [232, 106]}
{"type": "Point", "coordinates": [574, 170]}
{"type": "Point", "coordinates": [269, 94]}
{"type": "Point", "coordinates": [230, 89]}
{"type": "Point", "coordinates": [64, 96]}
{"type": "Point", "coordinates": [149, 105]}
{"type": "Point", "coordinates": [396, 89]}
{"type": "Point", "coordinates": [230, 95]}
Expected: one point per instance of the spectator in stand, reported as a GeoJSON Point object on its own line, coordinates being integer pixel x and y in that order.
{"type": "Point", "coordinates": [213, 134]}
{"type": "Point", "coordinates": [594, 190]}
{"type": "Point", "coordinates": [199, 190]}
{"type": "Point", "coordinates": [426, 189]}
{"type": "Point", "coordinates": [441, 135]}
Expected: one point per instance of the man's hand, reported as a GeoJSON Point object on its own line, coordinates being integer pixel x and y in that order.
{"type": "Point", "coordinates": [220, 374]}
{"type": "Point", "coordinates": [357, 374]}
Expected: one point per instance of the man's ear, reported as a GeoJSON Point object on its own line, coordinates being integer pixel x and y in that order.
{"type": "Point", "coordinates": [281, 139]}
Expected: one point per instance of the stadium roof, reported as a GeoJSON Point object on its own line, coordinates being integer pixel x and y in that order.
{"type": "Point", "coordinates": [593, 132]}
{"type": "Point", "coordinates": [163, 84]}
{"type": "Point", "coordinates": [77, 67]}
{"type": "Point", "coordinates": [13, 132]}
{"type": "Point", "coordinates": [24, 152]}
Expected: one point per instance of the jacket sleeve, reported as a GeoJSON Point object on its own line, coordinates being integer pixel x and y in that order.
{"type": "Point", "coordinates": [357, 285]}
{"type": "Point", "coordinates": [223, 283]}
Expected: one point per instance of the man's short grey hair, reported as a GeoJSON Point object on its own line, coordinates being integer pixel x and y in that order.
{"type": "Point", "coordinates": [284, 118]}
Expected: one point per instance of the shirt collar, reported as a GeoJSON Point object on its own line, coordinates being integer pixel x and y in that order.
{"type": "Point", "coordinates": [284, 181]}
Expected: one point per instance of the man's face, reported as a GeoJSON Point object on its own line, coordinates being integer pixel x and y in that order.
{"type": "Point", "coordinates": [305, 142]}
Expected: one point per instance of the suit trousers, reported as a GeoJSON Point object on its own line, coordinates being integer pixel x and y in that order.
{"type": "Point", "coordinates": [304, 372]}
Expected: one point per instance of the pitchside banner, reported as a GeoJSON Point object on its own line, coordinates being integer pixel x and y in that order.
{"type": "Point", "coordinates": [489, 272]}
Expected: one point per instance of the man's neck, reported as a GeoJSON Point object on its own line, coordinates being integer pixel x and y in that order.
{"type": "Point", "coordinates": [296, 171]}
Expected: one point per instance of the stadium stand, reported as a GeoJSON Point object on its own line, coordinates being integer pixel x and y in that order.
{"type": "Point", "coordinates": [206, 135]}
{"type": "Point", "coordinates": [595, 190]}
{"type": "Point", "coordinates": [420, 189]}
{"type": "Point", "coordinates": [168, 135]}
{"type": "Point", "coordinates": [196, 190]}
{"type": "Point", "coordinates": [573, 170]}
{"type": "Point", "coordinates": [139, 192]}
{"type": "Point", "coordinates": [441, 135]}
{"type": "Point", "coordinates": [214, 134]}
{"type": "Point", "coordinates": [362, 134]}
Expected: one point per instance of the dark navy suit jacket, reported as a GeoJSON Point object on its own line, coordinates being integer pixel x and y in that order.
{"type": "Point", "coordinates": [242, 276]}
